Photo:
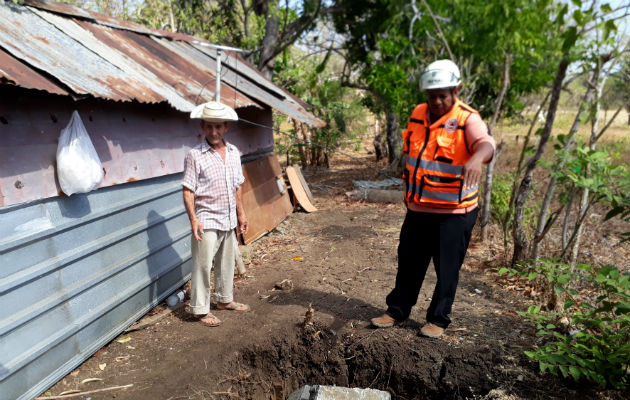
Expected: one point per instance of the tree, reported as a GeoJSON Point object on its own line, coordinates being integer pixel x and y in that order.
{"type": "Point", "coordinates": [314, 77]}
{"type": "Point", "coordinates": [577, 45]}
{"type": "Point", "coordinates": [266, 27]}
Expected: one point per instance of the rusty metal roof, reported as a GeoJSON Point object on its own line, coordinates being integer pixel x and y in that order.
{"type": "Point", "coordinates": [66, 50]}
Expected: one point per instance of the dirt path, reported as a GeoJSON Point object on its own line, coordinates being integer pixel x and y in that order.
{"type": "Point", "coordinates": [341, 260]}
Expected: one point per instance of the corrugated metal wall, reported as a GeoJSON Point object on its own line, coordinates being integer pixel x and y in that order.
{"type": "Point", "coordinates": [75, 271]}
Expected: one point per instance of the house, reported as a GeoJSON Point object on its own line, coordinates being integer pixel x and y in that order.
{"type": "Point", "coordinates": [75, 271]}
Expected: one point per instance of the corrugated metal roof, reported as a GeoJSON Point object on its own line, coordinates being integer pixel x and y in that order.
{"type": "Point", "coordinates": [16, 73]}
{"type": "Point", "coordinates": [122, 61]}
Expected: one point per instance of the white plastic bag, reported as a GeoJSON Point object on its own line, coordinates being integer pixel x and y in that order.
{"type": "Point", "coordinates": [78, 167]}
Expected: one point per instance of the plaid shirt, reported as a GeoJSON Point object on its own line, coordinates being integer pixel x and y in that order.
{"type": "Point", "coordinates": [214, 184]}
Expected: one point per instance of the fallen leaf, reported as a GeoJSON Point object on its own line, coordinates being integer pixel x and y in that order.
{"type": "Point", "coordinates": [297, 258]}
{"type": "Point", "coordinates": [131, 347]}
{"type": "Point", "coordinates": [102, 366]}
{"type": "Point", "coordinates": [122, 358]}
{"type": "Point", "coordinates": [124, 339]}
{"type": "Point", "coordinates": [88, 380]}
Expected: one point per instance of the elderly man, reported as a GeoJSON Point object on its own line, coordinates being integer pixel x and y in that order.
{"type": "Point", "coordinates": [445, 144]}
{"type": "Point", "coordinates": [212, 197]}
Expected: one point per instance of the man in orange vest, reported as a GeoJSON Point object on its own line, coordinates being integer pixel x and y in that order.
{"type": "Point", "coordinates": [445, 146]}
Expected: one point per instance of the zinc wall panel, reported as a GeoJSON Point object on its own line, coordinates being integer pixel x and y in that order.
{"type": "Point", "coordinates": [82, 270]}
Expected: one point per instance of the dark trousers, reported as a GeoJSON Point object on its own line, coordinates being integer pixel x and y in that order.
{"type": "Point", "coordinates": [425, 236]}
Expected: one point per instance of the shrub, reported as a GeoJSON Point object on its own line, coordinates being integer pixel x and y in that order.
{"type": "Point", "coordinates": [592, 340]}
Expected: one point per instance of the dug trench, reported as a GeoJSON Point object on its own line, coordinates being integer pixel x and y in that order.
{"type": "Point", "coordinates": [395, 361]}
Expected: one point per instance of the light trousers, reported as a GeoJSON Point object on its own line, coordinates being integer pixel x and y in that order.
{"type": "Point", "coordinates": [215, 249]}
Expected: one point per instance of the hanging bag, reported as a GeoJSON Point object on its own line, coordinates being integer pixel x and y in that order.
{"type": "Point", "coordinates": [79, 169]}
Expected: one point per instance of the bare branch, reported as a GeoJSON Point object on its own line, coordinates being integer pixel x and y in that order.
{"type": "Point", "coordinates": [599, 135]}
{"type": "Point", "coordinates": [437, 26]}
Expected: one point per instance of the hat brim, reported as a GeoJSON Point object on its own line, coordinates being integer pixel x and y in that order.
{"type": "Point", "coordinates": [228, 116]}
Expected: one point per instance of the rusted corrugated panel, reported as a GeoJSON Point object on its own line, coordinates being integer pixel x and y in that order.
{"type": "Point", "coordinates": [195, 84]}
{"type": "Point", "coordinates": [265, 197]}
{"type": "Point", "coordinates": [140, 83]}
{"type": "Point", "coordinates": [231, 73]}
{"type": "Point", "coordinates": [102, 19]}
{"type": "Point", "coordinates": [16, 73]}
{"type": "Point", "coordinates": [126, 65]}
{"type": "Point", "coordinates": [43, 46]}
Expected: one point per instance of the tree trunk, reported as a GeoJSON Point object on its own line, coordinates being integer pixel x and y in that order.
{"type": "Point", "coordinates": [542, 222]}
{"type": "Point", "coordinates": [487, 188]}
{"type": "Point", "coordinates": [298, 127]}
{"type": "Point", "coordinates": [266, 61]}
{"type": "Point", "coordinates": [519, 167]}
{"type": "Point", "coordinates": [394, 140]}
{"type": "Point", "coordinates": [487, 193]}
{"type": "Point", "coordinates": [567, 217]}
{"type": "Point", "coordinates": [380, 150]}
{"type": "Point", "coordinates": [520, 237]}
{"type": "Point", "coordinates": [584, 203]}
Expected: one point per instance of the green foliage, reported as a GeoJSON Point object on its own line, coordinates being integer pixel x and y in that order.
{"type": "Point", "coordinates": [313, 80]}
{"type": "Point", "coordinates": [589, 338]}
{"type": "Point", "coordinates": [617, 89]}
{"type": "Point", "coordinates": [500, 203]}
{"type": "Point", "coordinates": [602, 173]}
{"type": "Point", "coordinates": [389, 45]}
{"type": "Point", "coordinates": [485, 32]}
{"type": "Point", "coordinates": [500, 198]}
{"type": "Point", "coordinates": [620, 204]}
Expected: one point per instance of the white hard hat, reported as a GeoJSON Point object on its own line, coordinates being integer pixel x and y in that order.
{"type": "Point", "coordinates": [214, 111]}
{"type": "Point", "coordinates": [441, 74]}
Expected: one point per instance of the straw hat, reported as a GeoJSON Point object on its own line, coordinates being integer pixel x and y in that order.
{"type": "Point", "coordinates": [213, 111]}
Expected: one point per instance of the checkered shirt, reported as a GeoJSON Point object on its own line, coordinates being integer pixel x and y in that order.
{"type": "Point", "coordinates": [214, 184]}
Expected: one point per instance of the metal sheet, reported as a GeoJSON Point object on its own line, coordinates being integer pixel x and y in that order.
{"type": "Point", "coordinates": [133, 141]}
{"type": "Point", "coordinates": [77, 271]}
{"type": "Point", "coordinates": [264, 202]}
{"type": "Point", "coordinates": [195, 84]}
{"type": "Point", "coordinates": [140, 83]}
{"type": "Point", "coordinates": [16, 73]}
{"type": "Point", "coordinates": [241, 76]}
{"type": "Point", "coordinates": [43, 46]}
{"type": "Point", "coordinates": [117, 60]}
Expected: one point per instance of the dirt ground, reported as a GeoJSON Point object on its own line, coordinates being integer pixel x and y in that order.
{"type": "Point", "coordinates": [341, 260]}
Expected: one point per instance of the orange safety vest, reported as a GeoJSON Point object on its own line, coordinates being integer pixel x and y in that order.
{"type": "Point", "coordinates": [435, 159]}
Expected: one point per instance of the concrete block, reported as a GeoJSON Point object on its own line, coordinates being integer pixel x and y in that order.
{"type": "Point", "coordinates": [320, 392]}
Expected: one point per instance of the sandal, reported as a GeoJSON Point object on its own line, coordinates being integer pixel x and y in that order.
{"type": "Point", "coordinates": [210, 320]}
{"type": "Point", "coordinates": [234, 306]}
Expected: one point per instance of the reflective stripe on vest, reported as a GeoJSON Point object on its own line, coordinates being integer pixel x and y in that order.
{"type": "Point", "coordinates": [436, 166]}
{"type": "Point", "coordinates": [435, 159]}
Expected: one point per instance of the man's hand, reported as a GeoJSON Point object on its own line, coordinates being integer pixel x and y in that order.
{"type": "Point", "coordinates": [243, 224]}
{"type": "Point", "coordinates": [472, 171]}
{"type": "Point", "coordinates": [197, 228]}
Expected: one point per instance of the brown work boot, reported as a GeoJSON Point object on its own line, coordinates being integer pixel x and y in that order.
{"type": "Point", "coordinates": [384, 321]}
{"type": "Point", "coordinates": [431, 330]}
